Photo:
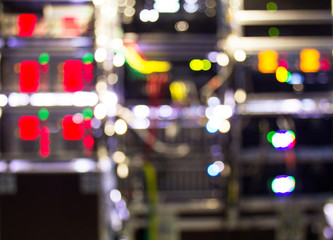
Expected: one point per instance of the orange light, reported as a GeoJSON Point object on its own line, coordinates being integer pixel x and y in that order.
{"type": "Point", "coordinates": [268, 61]}
{"type": "Point", "coordinates": [310, 60]}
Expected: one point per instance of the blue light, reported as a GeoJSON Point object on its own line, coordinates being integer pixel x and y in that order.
{"type": "Point", "coordinates": [213, 170]}
{"type": "Point", "coordinates": [283, 185]}
{"type": "Point", "coordinates": [296, 78]}
{"type": "Point", "coordinates": [211, 127]}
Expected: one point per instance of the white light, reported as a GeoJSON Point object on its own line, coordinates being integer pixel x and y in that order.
{"type": "Point", "coordinates": [82, 99]}
{"type": "Point", "coordinates": [122, 170]}
{"type": "Point", "coordinates": [165, 111]}
{"type": "Point", "coordinates": [102, 40]}
{"type": "Point", "coordinates": [109, 128]}
{"type": "Point", "coordinates": [98, 2]}
{"type": "Point", "coordinates": [104, 164]}
{"type": "Point", "coordinates": [141, 111]}
{"type": "Point", "coordinates": [240, 95]}
{"type": "Point", "coordinates": [119, 157]}
{"type": "Point", "coordinates": [153, 15]}
{"type": "Point", "coordinates": [109, 98]}
{"type": "Point", "coordinates": [145, 15]}
{"type": "Point", "coordinates": [212, 56]}
{"type": "Point", "coordinates": [181, 26]}
{"type": "Point", "coordinates": [283, 185]}
{"type": "Point", "coordinates": [18, 99]}
{"type": "Point", "coordinates": [141, 123]}
{"type": "Point", "coordinates": [225, 126]}
{"type": "Point", "coordinates": [222, 59]}
{"type": "Point", "coordinates": [115, 195]}
{"type": "Point", "coordinates": [117, 43]}
{"type": "Point", "coordinates": [100, 54]}
{"type": "Point", "coordinates": [291, 106]}
{"type": "Point", "coordinates": [240, 55]}
{"type": "Point", "coordinates": [282, 140]}
{"type": "Point", "coordinates": [100, 111]}
{"type": "Point", "coordinates": [170, 6]}
{"type": "Point", "coordinates": [118, 60]}
{"type": "Point", "coordinates": [3, 166]}
{"type": "Point", "coordinates": [308, 105]}
{"type": "Point", "coordinates": [129, 11]}
{"type": "Point", "coordinates": [43, 99]}
{"type": "Point", "coordinates": [191, 8]}
{"type": "Point", "coordinates": [84, 165]}
{"type": "Point", "coordinates": [222, 112]}
{"type": "Point", "coordinates": [213, 101]}
{"type": "Point", "coordinates": [3, 100]}
{"type": "Point", "coordinates": [19, 166]}
{"type": "Point", "coordinates": [120, 127]}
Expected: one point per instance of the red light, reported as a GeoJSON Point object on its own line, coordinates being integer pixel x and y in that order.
{"type": "Point", "coordinates": [26, 24]}
{"type": "Point", "coordinates": [283, 63]}
{"type": "Point", "coordinates": [72, 130]}
{"type": "Point", "coordinates": [88, 141]}
{"type": "Point", "coordinates": [29, 76]}
{"type": "Point", "coordinates": [73, 76]}
{"type": "Point", "coordinates": [44, 150]}
{"type": "Point", "coordinates": [29, 127]}
{"type": "Point", "coordinates": [70, 27]}
{"type": "Point", "coordinates": [325, 65]}
{"type": "Point", "coordinates": [88, 72]}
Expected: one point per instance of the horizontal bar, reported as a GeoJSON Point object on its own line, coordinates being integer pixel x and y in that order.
{"type": "Point", "coordinates": [283, 17]}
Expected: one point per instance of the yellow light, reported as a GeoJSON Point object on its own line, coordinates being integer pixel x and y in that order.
{"type": "Point", "coordinates": [268, 61]}
{"type": "Point", "coordinates": [281, 74]}
{"type": "Point", "coordinates": [206, 65]}
{"type": "Point", "coordinates": [144, 66]}
{"type": "Point", "coordinates": [196, 65]}
{"type": "Point", "coordinates": [240, 95]}
{"type": "Point", "coordinates": [118, 157]}
{"type": "Point", "coordinates": [122, 170]}
{"type": "Point", "coordinates": [120, 127]}
{"type": "Point", "coordinates": [225, 126]}
{"type": "Point", "coordinates": [178, 91]}
{"type": "Point", "coordinates": [310, 60]}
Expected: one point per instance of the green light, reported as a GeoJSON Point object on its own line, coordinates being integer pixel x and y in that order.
{"type": "Point", "coordinates": [270, 136]}
{"type": "Point", "coordinates": [206, 65]}
{"type": "Point", "coordinates": [273, 32]}
{"type": "Point", "coordinates": [88, 58]}
{"type": "Point", "coordinates": [44, 58]}
{"type": "Point", "coordinates": [272, 7]}
{"type": "Point", "coordinates": [288, 77]}
{"type": "Point", "coordinates": [196, 65]}
{"type": "Point", "coordinates": [87, 113]}
{"type": "Point", "coordinates": [43, 114]}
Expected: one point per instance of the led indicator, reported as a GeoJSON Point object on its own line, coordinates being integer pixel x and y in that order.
{"type": "Point", "coordinates": [43, 114]}
{"type": "Point", "coordinates": [88, 58]}
{"type": "Point", "coordinates": [29, 76]}
{"type": "Point", "coordinates": [29, 128]}
{"type": "Point", "coordinates": [73, 76]}
{"type": "Point", "coordinates": [87, 113]}
{"type": "Point", "coordinates": [268, 61]}
{"type": "Point", "coordinates": [72, 130]}
{"type": "Point", "coordinates": [26, 24]}
{"type": "Point", "coordinates": [310, 60]}
{"type": "Point", "coordinates": [88, 141]}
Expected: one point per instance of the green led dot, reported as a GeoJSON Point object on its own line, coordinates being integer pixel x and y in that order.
{"type": "Point", "coordinates": [272, 7]}
{"type": "Point", "coordinates": [270, 136]}
{"type": "Point", "coordinates": [43, 114]}
{"type": "Point", "coordinates": [273, 32]}
{"type": "Point", "coordinates": [88, 58]}
{"type": "Point", "coordinates": [206, 65]}
{"type": "Point", "coordinates": [87, 113]}
{"type": "Point", "coordinates": [288, 76]}
{"type": "Point", "coordinates": [44, 58]}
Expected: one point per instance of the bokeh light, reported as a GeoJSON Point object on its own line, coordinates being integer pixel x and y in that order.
{"type": "Point", "coordinates": [283, 185]}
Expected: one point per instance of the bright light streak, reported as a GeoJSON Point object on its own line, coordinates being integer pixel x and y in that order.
{"type": "Point", "coordinates": [18, 99]}
{"type": "Point", "coordinates": [83, 165]}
